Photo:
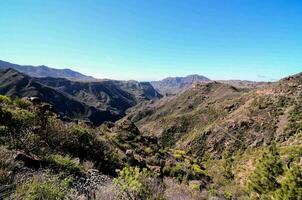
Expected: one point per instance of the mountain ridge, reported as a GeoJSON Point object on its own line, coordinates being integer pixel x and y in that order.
{"type": "Point", "coordinates": [45, 71]}
{"type": "Point", "coordinates": [93, 101]}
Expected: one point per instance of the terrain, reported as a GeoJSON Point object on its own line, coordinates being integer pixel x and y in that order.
{"type": "Point", "coordinates": [210, 140]}
{"type": "Point", "coordinates": [94, 102]}
{"type": "Point", "coordinates": [44, 71]}
{"type": "Point", "coordinates": [213, 117]}
{"type": "Point", "coordinates": [173, 85]}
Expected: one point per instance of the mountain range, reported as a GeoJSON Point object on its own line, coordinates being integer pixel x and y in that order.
{"type": "Point", "coordinates": [172, 85]}
{"type": "Point", "coordinates": [202, 139]}
{"type": "Point", "coordinates": [44, 71]}
{"type": "Point", "coordinates": [96, 102]}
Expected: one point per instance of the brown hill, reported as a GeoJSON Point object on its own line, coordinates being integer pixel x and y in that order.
{"type": "Point", "coordinates": [215, 117]}
{"type": "Point", "coordinates": [93, 101]}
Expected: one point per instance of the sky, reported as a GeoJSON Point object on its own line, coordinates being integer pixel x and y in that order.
{"type": "Point", "coordinates": [150, 40]}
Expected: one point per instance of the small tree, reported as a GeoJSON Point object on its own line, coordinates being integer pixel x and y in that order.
{"type": "Point", "coordinates": [263, 180]}
{"type": "Point", "coordinates": [291, 186]}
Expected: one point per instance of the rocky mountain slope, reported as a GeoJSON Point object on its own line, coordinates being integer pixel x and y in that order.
{"type": "Point", "coordinates": [172, 85]}
{"type": "Point", "coordinates": [211, 141]}
{"type": "Point", "coordinates": [44, 71]}
{"type": "Point", "coordinates": [93, 101]}
{"type": "Point", "coordinates": [215, 117]}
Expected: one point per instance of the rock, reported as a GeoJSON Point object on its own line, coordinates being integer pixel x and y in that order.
{"type": "Point", "coordinates": [29, 161]}
{"type": "Point", "coordinates": [129, 152]}
{"type": "Point", "coordinates": [229, 107]}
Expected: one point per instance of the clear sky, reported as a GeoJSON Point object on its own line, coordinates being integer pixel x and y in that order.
{"type": "Point", "coordinates": [149, 40]}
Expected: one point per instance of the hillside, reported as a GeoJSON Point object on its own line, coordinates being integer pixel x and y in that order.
{"type": "Point", "coordinates": [213, 117]}
{"type": "Point", "coordinates": [44, 71]}
{"type": "Point", "coordinates": [92, 101]}
{"type": "Point", "coordinates": [173, 85]}
{"type": "Point", "coordinates": [211, 141]}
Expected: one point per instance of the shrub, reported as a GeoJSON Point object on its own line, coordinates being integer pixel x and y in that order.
{"type": "Point", "coordinates": [179, 154]}
{"type": "Point", "coordinates": [22, 103]}
{"type": "Point", "coordinates": [40, 190]}
{"type": "Point", "coordinates": [80, 142]}
{"type": "Point", "coordinates": [263, 180]}
{"type": "Point", "coordinates": [136, 183]}
{"type": "Point", "coordinates": [198, 171]}
{"type": "Point", "coordinates": [291, 185]}
{"type": "Point", "coordinates": [5, 99]}
{"type": "Point", "coordinates": [64, 163]}
{"type": "Point", "coordinates": [3, 134]}
{"type": "Point", "coordinates": [227, 166]}
{"type": "Point", "coordinates": [6, 165]}
{"type": "Point", "coordinates": [178, 172]}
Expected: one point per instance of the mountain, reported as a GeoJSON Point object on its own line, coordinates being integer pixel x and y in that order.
{"type": "Point", "coordinates": [44, 71]}
{"type": "Point", "coordinates": [216, 117]}
{"type": "Point", "coordinates": [209, 141]}
{"type": "Point", "coordinates": [244, 83]}
{"type": "Point", "coordinates": [93, 101]}
{"type": "Point", "coordinates": [172, 85]}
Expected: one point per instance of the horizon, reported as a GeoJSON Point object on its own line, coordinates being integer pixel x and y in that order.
{"type": "Point", "coordinates": [183, 76]}
{"type": "Point", "coordinates": [145, 41]}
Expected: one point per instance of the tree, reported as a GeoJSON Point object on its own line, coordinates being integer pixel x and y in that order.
{"type": "Point", "coordinates": [263, 179]}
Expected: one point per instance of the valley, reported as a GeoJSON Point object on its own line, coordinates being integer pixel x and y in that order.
{"type": "Point", "coordinates": [108, 139]}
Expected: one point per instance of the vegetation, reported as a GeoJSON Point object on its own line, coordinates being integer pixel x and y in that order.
{"type": "Point", "coordinates": [184, 168]}
{"type": "Point", "coordinates": [211, 141]}
{"type": "Point", "coordinates": [136, 183]}
{"type": "Point", "coordinates": [264, 178]}
{"type": "Point", "coordinates": [291, 185]}
{"type": "Point", "coordinates": [64, 163]}
{"type": "Point", "coordinates": [41, 190]}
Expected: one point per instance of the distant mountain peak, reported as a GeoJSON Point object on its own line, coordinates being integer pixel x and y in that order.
{"type": "Point", "coordinates": [172, 85]}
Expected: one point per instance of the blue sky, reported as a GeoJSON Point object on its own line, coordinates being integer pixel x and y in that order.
{"type": "Point", "coordinates": [150, 40]}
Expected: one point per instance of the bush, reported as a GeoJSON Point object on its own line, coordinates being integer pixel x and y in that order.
{"type": "Point", "coordinates": [197, 171]}
{"type": "Point", "coordinates": [263, 180]}
{"type": "Point", "coordinates": [40, 190]}
{"type": "Point", "coordinates": [291, 185]}
{"type": "Point", "coordinates": [80, 142]}
{"type": "Point", "coordinates": [5, 99]}
{"type": "Point", "coordinates": [227, 166]}
{"type": "Point", "coordinates": [6, 165]}
{"type": "Point", "coordinates": [22, 103]}
{"type": "Point", "coordinates": [136, 183]}
{"type": "Point", "coordinates": [64, 163]}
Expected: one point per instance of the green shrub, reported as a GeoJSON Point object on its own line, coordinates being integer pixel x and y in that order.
{"type": "Point", "coordinates": [5, 99]}
{"type": "Point", "coordinates": [80, 142]}
{"type": "Point", "coordinates": [148, 150]}
{"type": "Point", "coordinates": [40, 190]}
{"type": "Point", "coordinates": [195, 186]}
{"type": "Point", "coordinates": [179, 154]}
{"type": "Point", "coordinates": [64, 163]}
{"type": "Point", "coordinates": [227, 164]}
{"type": "Point", "coordinates": [178, 172]}
{"type": "Point", "coordinates": [291, 185]}
{"type": "Point", "coordinates": [263, 180]}
{"type": "Point", "coordinates": [22, 103]}
{"type": "Point", "coordinates": [136, 183]}
{"type": "Point", "coordinates": [198, 171]}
